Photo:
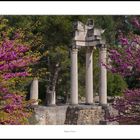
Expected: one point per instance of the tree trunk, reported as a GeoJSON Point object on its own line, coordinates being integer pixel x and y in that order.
{"type": "Point", "coordinates": [50, 91]}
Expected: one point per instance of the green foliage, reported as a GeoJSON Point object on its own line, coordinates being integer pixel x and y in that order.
{"type": "Point", "coordinates": [115, 85]}
{"type": "Point", "coordinates": [51, 36]}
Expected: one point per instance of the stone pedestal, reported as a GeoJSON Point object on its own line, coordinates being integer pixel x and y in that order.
{"type": "Point", "coordinates": [89, 75]}
{"type": "Point", "coordinates": [84, 115]}
{"type": "Point", "coordinates": [34, 91]}
{"type": "Point", "coordinates": [103, 77]}
{"type": "Point", "coordinates": [74, 77]}
{"type": "Point", "coordinates": [67, 115]}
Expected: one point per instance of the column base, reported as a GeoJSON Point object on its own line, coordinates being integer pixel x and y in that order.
{"type": "Point", "coordinates": [51, 105]}
{"type": "Point", "coordinates": [104, 105]}
{"type": "Point", "coordinates": [34, 105]}
{"type": "Point", "coordinates": [89, 103]}
{"type": "Point", "coordinates": [73, 104]}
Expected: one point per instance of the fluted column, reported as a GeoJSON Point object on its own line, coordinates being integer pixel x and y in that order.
{"type": "Point", "coordinates": [89, 75]}
{"type": "Point", "coordinates": [74, 76]}
{"type": "Point", "coordinates": [103, 76]}
{"type": "Point", "coordinates": [34, 91]}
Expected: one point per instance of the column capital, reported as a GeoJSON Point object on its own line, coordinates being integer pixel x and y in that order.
{"type": "Point", "coordinates": [73, 45]}
{"type": "Point", "coordinates": [74, 50]}
{"type": "Point", "coordinates": [89, 48]}
{"type": "Point", "coordinates": [89, 51]}
{"type": "Point", "coordinates": [103, 47]}
{"type": "Point", "coordinates": [35, 78]}
{"type": "Point", "coordinates": [102, 44]}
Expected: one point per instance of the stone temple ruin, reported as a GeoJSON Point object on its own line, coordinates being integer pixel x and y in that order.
{"type": "Point", "coordinates": [89, 113]}
{"type": "Point", "coordinates": [88, 36]}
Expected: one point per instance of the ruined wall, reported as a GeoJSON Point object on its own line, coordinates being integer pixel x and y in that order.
{"type": "Point", "coordinates": [84, 115]}
{"type": "Point", "coordinates": [68, 115]}
{"type": "Point", "coordinates": [51, 115]}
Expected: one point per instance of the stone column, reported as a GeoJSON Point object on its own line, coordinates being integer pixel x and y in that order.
{"type": "Point", "coordinates": [89, 75]}
{"type": "Point", "coordinates": [103, 76]}
{"type": "Point", "coordinates": [51, 101]}
{"type": "Point", "coordinates": [34, 90]}
{"type": "Point", "coordinates": [74, 76]}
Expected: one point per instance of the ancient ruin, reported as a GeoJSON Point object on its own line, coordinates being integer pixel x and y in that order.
{"type": "Point", "coordinates": [89, 37]}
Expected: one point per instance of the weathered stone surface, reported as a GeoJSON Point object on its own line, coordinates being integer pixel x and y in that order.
{"type": "Point", "coordinates": [84, 115]}
{"type": "Point", "coordinates": [51, 115]}
{"type": "Point", "coordinates": [72, 115]}
{"type": "Point", "coordinates": [109, 111]}
{"type": "Point", "coordinates": [39, 116]}
{"type": "Point", "coordinates": [109, 123]}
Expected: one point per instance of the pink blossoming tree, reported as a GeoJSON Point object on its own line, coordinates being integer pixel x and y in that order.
{"type": "Point", "coordinates": [15, 59]}
{"type": "Point", "coordinates": [125, 60]}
